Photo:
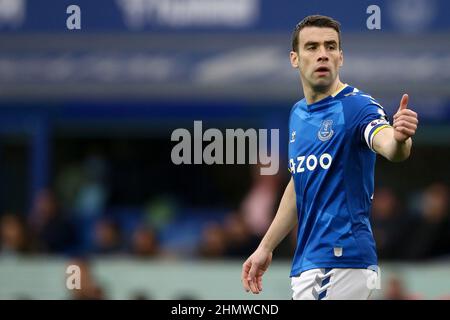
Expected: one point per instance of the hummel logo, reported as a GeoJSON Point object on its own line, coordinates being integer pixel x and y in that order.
{"type": "Point", "coordinates": [292, 137]}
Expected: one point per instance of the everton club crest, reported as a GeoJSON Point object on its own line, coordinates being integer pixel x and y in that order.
{"type": "Point", "coordinates": [326, 130]}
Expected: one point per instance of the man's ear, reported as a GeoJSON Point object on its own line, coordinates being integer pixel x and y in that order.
{"type": "Point", "coordinates": [293, 56]}
{"type": "Point", "coordinates": [341, 54]}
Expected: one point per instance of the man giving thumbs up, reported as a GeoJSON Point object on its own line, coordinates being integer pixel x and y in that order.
{"type": "Point", "coordinates": [395, 142]}
{"type": "Point", "coordinates": [335, 132]}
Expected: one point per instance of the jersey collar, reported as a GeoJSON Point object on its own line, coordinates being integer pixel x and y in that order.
{"type": "Point", "coordinates": [321, 103]}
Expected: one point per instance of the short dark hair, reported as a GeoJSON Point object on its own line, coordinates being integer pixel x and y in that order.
{"type": "Point", "coordinates": [315, 21]}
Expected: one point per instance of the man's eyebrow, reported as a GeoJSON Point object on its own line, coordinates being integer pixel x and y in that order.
{"type": "Point", "coordinates": [309, 43]}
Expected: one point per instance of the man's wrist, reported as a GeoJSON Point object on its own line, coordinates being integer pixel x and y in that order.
{"type": "Point", "coordinates": [402, 144]}
{"type": "Point", "coordinates": [402, 150]}
{"type": "Point", "coordinates": [265, 247]}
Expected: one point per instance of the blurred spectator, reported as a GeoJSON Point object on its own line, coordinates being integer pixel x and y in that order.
{"type": "Point", "coordinates": [256, 214]}
{"type": "Point", "coordinates": [89, 287]}
{"type": "Point", "coordinates": [144, 243]}
{"type": "Point", "coordinates": [83, 185]}
{"type": "Point", "coordinates": [14, 236]}
{"type": "Point", "coordinates": [54, 231]}
{"type": "Point", "coordinates": [431, 237]}
{"type": "Point", "coordinates": [67, 184]}
{"type": "Point", "coordinates": [389, 224]}
{"type": "Point", "coordinates": [213, 241]}
{"type": "Point", "coordinates": [240, 241]}
{"type": "Point", "coordinates": [160, 211]}
{"type": "Point", "coordinates": [107, 237]}
{"type": "Point", "coordinates": [92, 194]}
{"type": "Point", "coordinates": [260, 204]}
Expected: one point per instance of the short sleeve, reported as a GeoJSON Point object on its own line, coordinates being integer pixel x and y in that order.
{"type": "Point", "coordinates": [371, 121]}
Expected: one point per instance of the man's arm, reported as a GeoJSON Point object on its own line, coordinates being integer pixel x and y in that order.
{"type": "Point", "coordinates": [394, 143]}
{"type": "Point", "coordinates": [285, 219]}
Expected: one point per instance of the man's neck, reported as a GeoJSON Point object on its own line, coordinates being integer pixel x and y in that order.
{"type": "Point", "coordinates": [313, 96]}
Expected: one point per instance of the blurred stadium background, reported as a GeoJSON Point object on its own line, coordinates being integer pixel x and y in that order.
{"type": "Point", "coordinates": [85, 122]}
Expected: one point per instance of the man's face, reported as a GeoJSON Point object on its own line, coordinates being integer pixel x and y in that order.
{"type": "Point", "coordinates": [319, 57]}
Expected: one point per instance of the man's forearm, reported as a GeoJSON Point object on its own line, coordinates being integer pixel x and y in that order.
{"type": "Point", "coordinates": [398, 151]}
{"type": "Point", "coordinates": [401, 150]}
{"type": "Point", "coordinates": [285, 219]}
{"type": "Point", "coordinates": [391, 149]}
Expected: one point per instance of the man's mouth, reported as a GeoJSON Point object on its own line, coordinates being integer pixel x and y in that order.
{"type": "Point", "coordinates": [322, 70]}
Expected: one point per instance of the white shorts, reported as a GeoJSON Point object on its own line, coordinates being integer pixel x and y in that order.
{"type": "Point", "coordinates": [334, 284]}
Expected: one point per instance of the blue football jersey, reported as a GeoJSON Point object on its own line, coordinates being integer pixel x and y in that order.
{"type": "Point", "coordinates": [332, 163]}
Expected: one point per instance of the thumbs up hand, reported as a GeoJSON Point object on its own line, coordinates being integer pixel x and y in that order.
{"type": "Point", "coordinates": [405, 121]}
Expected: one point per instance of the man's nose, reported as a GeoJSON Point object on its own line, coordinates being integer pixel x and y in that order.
{"type": "Point", "coordinates": [322, 55]}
